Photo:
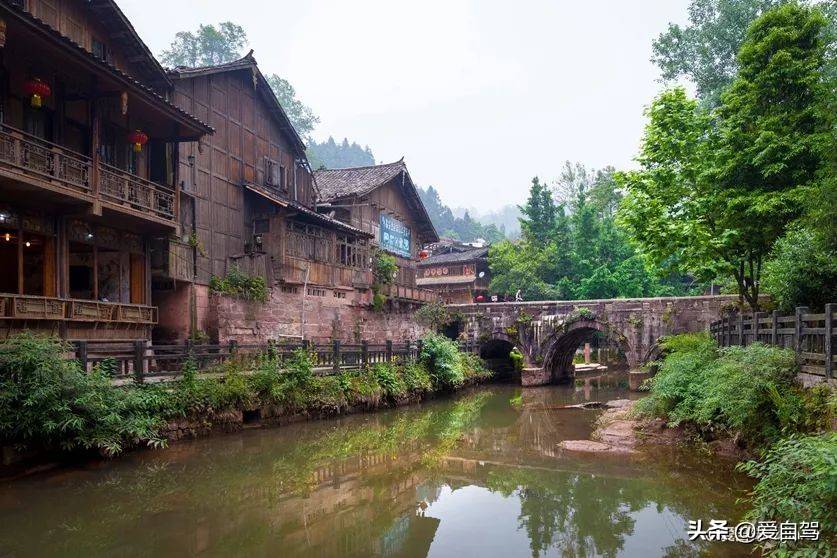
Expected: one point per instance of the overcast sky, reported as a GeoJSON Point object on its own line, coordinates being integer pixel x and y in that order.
{"type": "Point", "coordinates": [479, 96]}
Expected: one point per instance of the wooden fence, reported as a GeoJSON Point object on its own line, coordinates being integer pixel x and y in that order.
{"type": "Point", "coordinates": [141, 361]}
{"type": "Point", "coordinates": [810, 335]}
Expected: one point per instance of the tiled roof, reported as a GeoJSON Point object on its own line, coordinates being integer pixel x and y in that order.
{"type": "Point", "coordinates": [455, 257]}
{"type": "Point", "coordinates": [104, 65]}
{"type": "Point", "coordinates": [355, 181]}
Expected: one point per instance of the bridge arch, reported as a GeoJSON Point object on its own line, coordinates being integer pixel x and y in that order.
{"type": "Point", "coordinates": [559, 348]}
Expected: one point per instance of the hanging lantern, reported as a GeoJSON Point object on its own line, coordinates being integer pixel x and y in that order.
{"type": "Point", "coordinates": [38, 90]}
{"type": "Point", "coordinates": [424, 254]}
{"type": "Point", "coordinates": [480, 298]}
{"type": "Point", "coordinates": [138, 138]}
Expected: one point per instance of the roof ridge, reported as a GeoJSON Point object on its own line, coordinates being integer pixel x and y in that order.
{"type": "Point", "coordinates": [398, 162]}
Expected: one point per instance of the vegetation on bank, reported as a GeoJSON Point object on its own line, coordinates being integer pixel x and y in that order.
{"type": "Point", "coordinates": [750, 394]}
{"type": "Point", "coordinates": [49, 402]}
{"type": "Point", "coordinates": [238, 284]}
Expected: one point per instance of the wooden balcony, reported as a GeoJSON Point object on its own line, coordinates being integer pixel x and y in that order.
{"type": "Point", "coordinates": [25, 307]}
{"type": "Point", "coordinates": [46, 165]}
{"type": "Point", "coordinates": [410, 294]}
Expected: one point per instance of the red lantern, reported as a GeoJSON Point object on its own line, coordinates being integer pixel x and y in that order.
{"type": "Point", "coordinates": [138, 138]}
{"type": "Point", "coordinates": [424, 254]}
{"type": "Point", "coordinates": [480, 298]}
{"type": "Point", "coordinates": [38, 90]}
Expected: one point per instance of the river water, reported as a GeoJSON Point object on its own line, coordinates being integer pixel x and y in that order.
{"type": "Point", "coordinates": [477, 474]}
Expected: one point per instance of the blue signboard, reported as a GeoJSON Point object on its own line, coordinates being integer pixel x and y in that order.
{"type": "Point", "coordinates": [395, 236]}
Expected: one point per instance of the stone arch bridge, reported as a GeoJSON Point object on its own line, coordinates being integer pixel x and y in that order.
{"type": "Point", "coordinates": [549, 332]}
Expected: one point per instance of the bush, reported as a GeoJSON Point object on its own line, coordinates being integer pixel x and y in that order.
{"type": "Point", "coordinates": [748, 392]}
{"type": "Point", "coordinates": [473, 367]}
{"type": "Point", "coordinates": [240, 285]}
{"type": "Point", "coordinates": [417, 378]}
{"type": "Point", "coordinates": [797, 481]}
{"type": "Point", "coordinates": [47, 401]}
{"type": "Point", "coordinates": [516, 358]}
{"type": "Point", "coordinates": [441, 356]}
{"type": "Point", "coordinates": [386, 374]}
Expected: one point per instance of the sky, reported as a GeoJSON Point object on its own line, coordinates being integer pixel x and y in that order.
{"type": "Point", "coordinates": [478, 96]}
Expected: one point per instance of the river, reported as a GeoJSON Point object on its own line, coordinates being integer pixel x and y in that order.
{"type": "Point", "coordinates": [476, 474]}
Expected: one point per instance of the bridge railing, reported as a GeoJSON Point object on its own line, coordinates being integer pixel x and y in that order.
{"type": "Point", "coordinates": [140, 361]}
{"type": "Point", "coordinates": [809, 334]}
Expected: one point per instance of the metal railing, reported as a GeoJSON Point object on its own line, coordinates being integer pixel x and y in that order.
{"type": "Point", "coordinates": [27, 307]}
{"type": "Point", "coordinates": [40, 159]}
{"type": "Point", "coordinates": [141, 361]}
{"type": "Point", "coordinates": [810, 335]}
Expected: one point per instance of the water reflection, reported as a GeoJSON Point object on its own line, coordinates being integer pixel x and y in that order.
{"type": "Point", "coordinates": [474, 475]}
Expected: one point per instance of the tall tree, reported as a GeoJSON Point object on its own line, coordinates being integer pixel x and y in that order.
{"type": "Point", "coordinates": [538, 217]}
{"type": "Point", "coordinates": [300, 114]}
{"type": "Point", "coordinates": [713, 200]}
{"type": "Point", "coordinates": [207, 46]}
{"type": "Point", "coordinates": [705, 50]}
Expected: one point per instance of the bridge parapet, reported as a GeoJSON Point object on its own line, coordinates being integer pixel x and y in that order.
{"type": "Point", "coordinates": [548, 332]}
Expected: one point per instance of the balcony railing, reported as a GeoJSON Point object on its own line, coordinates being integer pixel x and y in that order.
{"type": "Point", "coordinates": [415, 294]}
{"type": "Point", "coordinates": [25, 307]}
{"type": "Point", "coordinates": [37, 158]}
{"type": "Point", "coordinates": [71, 172]}
{"type": "Point", "coordinates": [123, 188]}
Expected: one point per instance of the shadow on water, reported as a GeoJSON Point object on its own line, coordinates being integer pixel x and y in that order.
{"type": "Point", "coordinates": [477, 474]}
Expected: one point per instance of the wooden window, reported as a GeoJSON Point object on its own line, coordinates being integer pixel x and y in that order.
{"type": "Point", "coordinates": [351, 252]}
{"type": "Point", "coordinates": [274, 174]}
{"type": "Point", "coordinates": [28, 262]}
{"type": "Point", "coordinates": [99, 49]}
{"type": "Point", "coordinates": [308, 242]}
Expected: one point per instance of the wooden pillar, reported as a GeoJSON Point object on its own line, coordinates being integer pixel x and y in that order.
{"type": "Point", "coordinates": [741, 340]}
{"type": "Point", "coordinates": [774, 329]}
{"type": "Point", "coordinates": [139, 361]}
{"type": "Point", "coordinates": [95, 143]}
{"type": "Point", "coordinates": [389, 350]}
{"type": "Point", "coordinates": [798, 328]}
{"type": "Point", "coordinates": [757, 325]}
{"type": "Point", "coordinates": [828, 347]}
{"type": "Point", "coordinates": [335, 355]}
{"type": "Point", "coordinates": [364, 353]}
{"type": "Point", "coordinates": [727, 330]}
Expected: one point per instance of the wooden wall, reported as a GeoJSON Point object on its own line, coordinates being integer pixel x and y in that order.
{"type": "Point", "coordinates": [246, 134]}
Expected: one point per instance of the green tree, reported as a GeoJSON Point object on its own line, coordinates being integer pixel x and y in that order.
{"type": "Point", "coordinates": [300, 114]}
{"type": "Point", "coordinates": [538, 217]}
{"type": "Point", "coordinates": [207, 46]}
{"type": "Point", "coordinates": [705, 50]}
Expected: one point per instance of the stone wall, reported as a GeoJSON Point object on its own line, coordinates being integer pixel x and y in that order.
{"type": "Point", "coordinates": [324, 317]}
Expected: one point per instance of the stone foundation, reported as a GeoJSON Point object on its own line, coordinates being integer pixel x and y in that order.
{"type": "Point", "coordinates": [315, 318]}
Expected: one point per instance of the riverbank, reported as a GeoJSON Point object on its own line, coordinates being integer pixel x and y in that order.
{"type": "Point", "coordinates": [50, 408]}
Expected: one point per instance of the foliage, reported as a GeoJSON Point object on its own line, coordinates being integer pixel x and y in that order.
{"type": "Point", "coordinates": [207, 46]}
{"type": "Point", "coordinates": [441, 356]}
{"type": "Point", "coordinates": [417, 378]}
{"type": "Point", "coordinates": [332, 155]}
{"type": "Point", "coordinates": [797, 480]}
{"type": "Point", "coordinates": [465, 228]}
{"type": "Point", "coordinates": [802, 270]}
{"type": "Point", "coordinates": [47, 401]}
{"type": "Point", "coordinates": [574, 249]}
{"type": "Point", "coordinates": [705, 50]}
{"type": "Point", "coordinates": [437, 316]}
{"type": "Point", "coordinates": [384, 268]}
{"type": "Point", "coordinates": [301, 115]}
{"type": "Point", "coordinates": [240, 285]}
{"type": "Point", "coordinates": [388, 377]}
{"type": "Point", "coordinates": [747, 392]}
{"type": "Point", "coordinates": [517, 359]}
{"type": "Point", "coordinates": [716, 190]}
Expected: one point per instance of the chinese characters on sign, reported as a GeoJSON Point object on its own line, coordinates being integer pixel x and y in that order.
{"type": "Point", "coordinates": [395, 236]}
{"type": "Point", "coordinates": [747, 532]}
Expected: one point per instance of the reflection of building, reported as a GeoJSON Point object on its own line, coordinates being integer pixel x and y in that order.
{"type": "Point", "coordinates": [460, 274]}
{"type": "Point", "coordinates": [88, 174]}
{"type": "Point", "coordinates": [382, 200]}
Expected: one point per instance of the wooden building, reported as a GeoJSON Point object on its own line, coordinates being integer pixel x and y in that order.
{"type": "Point", "coordinates": [382, 200]}
{"type": "Point", "coordinates": [248, 199]}
{"type": "Point", "coordinates": [88, 178]}
{"type": "Point", "coordinates": [459, 275]}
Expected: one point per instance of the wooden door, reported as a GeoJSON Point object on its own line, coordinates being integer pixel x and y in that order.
{"type": "Point", "coordinates": [137, 279]}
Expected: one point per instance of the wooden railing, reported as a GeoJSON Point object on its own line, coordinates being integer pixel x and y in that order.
{"type": "Point", "coordinates": [26, 307]}
{"type": "Point", "coordinates": [416, 294]}
{"type": "Point", "coordinates": [125, 189]}
{"type": "Point", "coordinates": [69, 171]}
{"type": "Point", "coordinates": [140, 361]}
{"type": "Point", "coordinates": [810, 335]}
{"type": "Point", "coordinates": [40, 159]}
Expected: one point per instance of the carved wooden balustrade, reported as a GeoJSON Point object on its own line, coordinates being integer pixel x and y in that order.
{"type": "Point", "coordinates": [33, 157]}
{"type": "Point", "coordinates": [125, 189]}
{"type": "Point", "coordinates": [25, 307]}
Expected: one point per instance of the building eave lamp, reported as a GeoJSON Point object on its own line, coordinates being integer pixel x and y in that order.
{"type": "Point", "coordinates": [138, 138]}
{"type": "Point", "coordinates": [37, 90]}
{"type": "Point", "coordinates": [424, 254]}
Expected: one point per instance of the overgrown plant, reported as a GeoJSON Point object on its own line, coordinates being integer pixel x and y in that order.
{"type": "Point", "coordinates": [238, 284]}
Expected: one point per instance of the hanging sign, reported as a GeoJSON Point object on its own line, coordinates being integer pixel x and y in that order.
{"type": "Point", "coordinates": [395, 236]}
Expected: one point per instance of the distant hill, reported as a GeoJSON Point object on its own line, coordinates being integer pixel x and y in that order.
{"type": "Point", "coordinates": [333, 155]}
{"type": "Point", "coordinates": [464, 228]}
